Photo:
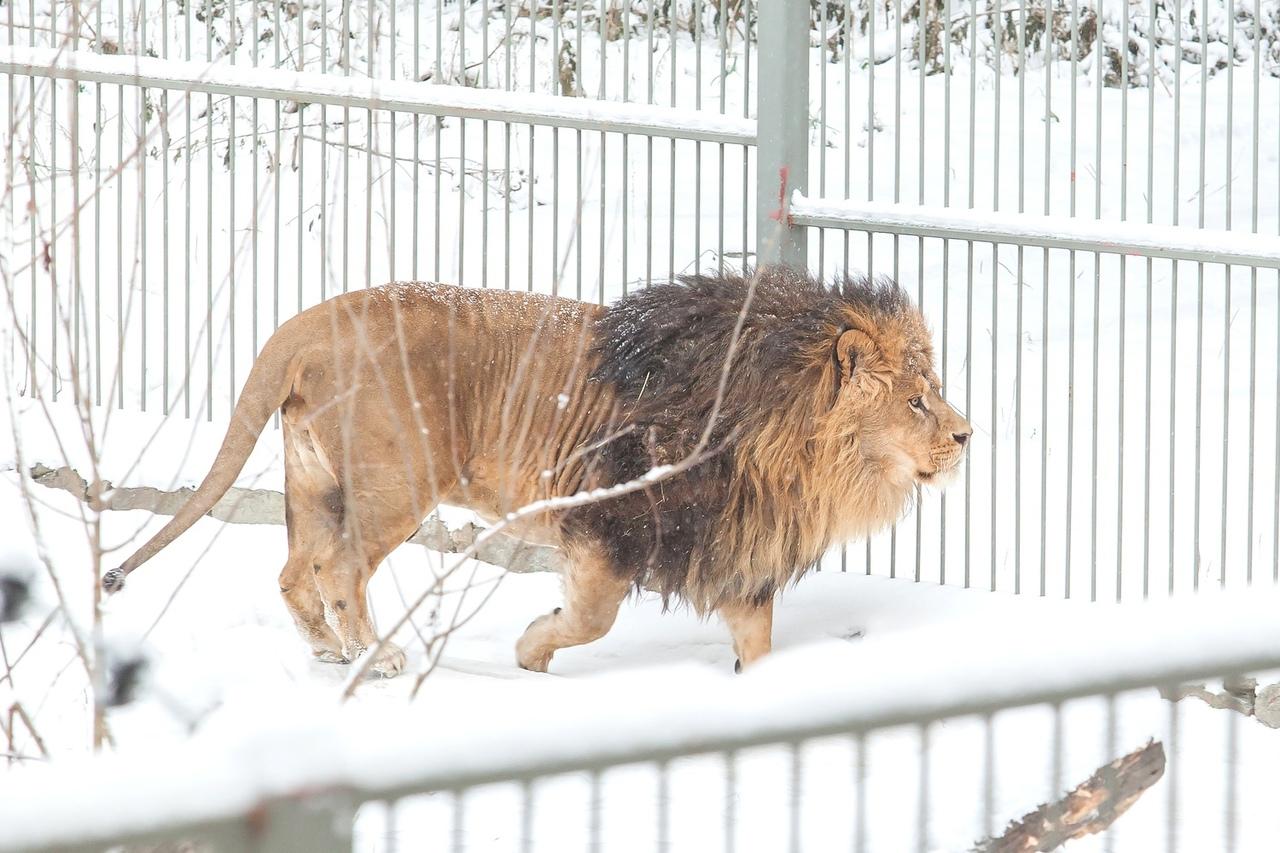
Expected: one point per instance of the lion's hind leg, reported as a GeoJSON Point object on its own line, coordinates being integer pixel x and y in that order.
{"type": "Point", "coordinates": [342, 578]}
{"type": "Point", "coordinates": [370, 524]}
{"type": "Point", "coordinates": [593, 590]}
{"type": "Point", "coordinates": [313, 525]}
{"type": "Point", "coordinates": [302, 599]}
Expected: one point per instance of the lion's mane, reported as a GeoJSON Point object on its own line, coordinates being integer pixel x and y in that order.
{"type": "Point", "coordinates": [782, 483]}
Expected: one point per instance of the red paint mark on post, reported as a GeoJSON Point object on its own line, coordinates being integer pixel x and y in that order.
{"type": "Point", "coordinates": [777, 215]}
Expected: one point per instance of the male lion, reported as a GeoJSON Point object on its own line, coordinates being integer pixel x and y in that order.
{"type": "Point", "coordinates": [400, 397]}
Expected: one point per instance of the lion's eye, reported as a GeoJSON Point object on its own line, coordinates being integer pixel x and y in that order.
{"type": "Point", "coordinates": [916, 403]}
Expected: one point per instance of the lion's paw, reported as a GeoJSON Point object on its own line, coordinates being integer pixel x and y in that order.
{"type": "Point", "coordinates": [390, 662]}
{"type": "Point", "coordinates": [530, 658]}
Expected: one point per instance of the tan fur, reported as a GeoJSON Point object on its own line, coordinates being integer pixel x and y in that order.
{"type": "Point", "coordinates": [399, 398]}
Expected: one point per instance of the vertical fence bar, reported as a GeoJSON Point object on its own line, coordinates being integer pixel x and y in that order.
{"type": "Point", "coordinates": [860, 795]}
{"type": "Point", "coordinates": [968, 301]}
{"type": "Point", "coordinates": [794, 798]}
{"type": "Point", "coordinates": [1173, 293]}
{"type": "Point", "coordinates": [673, 27]}
{"type": "Point", "coordinates": [1171, 783]}
{"type": "Point", "coordinates": [1199, 393]}
{"type": "Point", "coordinates": [663, 816]}
{"type": "Point", "coordinates": [920, 60]}
{"type": "Point", "coordinates": [997, 36]}
{"type": "Point", "coordinates": [229, 164]}
{"type": "Point", "coordinates": [730, 801]}
{"type": "Point", "coordinates": [458, 823]}
{"type": "Point", "coordinates": [1124, 274]}
{"type": "Point", "coordinates": [1226, 312]}
{"type": "Point", "coordinates": [782, 136]}
{"type": "Point", "coordinates": [526, 817]}
{"type": "Point", "coordinates": [595, 811]}
{"type": "Point", "coordinates": [1097, 306]}
{"type": "Point", "coordinates": [1047, 118]}
{"type": "Point", "coordinates": [988, 776]}
{"type": "Point", "coordinates": [946, 263]}
{"type": "Point", "coordinates": [97, 201]}
{"type": "Point", "coordinates": [1018, 302]}
{"type": "Point", "coordinates": [1151, 200]}
{"type": "Point", "coordinates": [1068, 541]}
{"type": "Point", "coordinates": [922, 794]}
{"type": "Point", "coordinates": [746, 151]}
{"type": "Point", "coordinates": [822, 137]}
{"type": "Point", "coordinates": [1253, 294]}
{"type": "Point", "coordinates": [188, 357]}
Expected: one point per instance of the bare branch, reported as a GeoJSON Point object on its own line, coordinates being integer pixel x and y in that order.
{"type": "Point", "coordinates": [1090, 808]}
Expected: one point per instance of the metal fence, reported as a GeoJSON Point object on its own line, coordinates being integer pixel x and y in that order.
{"type": "Point", "coordinates": [836, 749]}
{"type": "Point", "coordinates": [166, 217]}
{"type": "Point", "coordinates": [1123, 379]}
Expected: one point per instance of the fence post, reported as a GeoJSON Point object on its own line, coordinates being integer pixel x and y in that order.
{"type": "Point", "coordinates": [317, 824]}
{"type": "Point", "coordinates": [782, 119]}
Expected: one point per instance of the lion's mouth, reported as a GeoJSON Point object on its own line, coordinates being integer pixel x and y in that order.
{"type": "Point", "coordinates": [942, 470]}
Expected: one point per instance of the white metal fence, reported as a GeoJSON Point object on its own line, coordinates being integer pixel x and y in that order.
{"type": "Point", "coordinates": [1123, 380]}
{"type": "Point", "coordinates": [833, 748]}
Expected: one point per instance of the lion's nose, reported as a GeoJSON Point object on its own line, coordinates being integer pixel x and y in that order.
{"type": "Point", "coordinates": [961, 437]}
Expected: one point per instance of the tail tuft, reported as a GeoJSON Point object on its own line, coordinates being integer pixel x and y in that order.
{"type": "Point", "coordinates": [113, 581]}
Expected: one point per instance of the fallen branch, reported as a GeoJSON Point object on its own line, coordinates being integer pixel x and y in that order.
{"type": "Point", "coordinates": [1090, 808]}
{"type": "Point", "coordinates": [1241, 695]}
{"type": "Point", "coordinates": [265, 506]}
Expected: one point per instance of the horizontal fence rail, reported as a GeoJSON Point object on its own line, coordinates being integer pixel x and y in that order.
{"type": "Point", "coordinates": [369, 93]}
{"type": "Point", "coordinates": [1049, 232]}
{"type": "Point", "coordinates": [811, 693]}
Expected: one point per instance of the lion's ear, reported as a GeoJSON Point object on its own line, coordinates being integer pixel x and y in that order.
{"type": "Point", "coordinates": [854, 351]}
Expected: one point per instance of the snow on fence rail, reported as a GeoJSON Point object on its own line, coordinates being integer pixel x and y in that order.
{"type": "Point", "coordinates": [308, 767]}
{"type": "Point", "coordinates": [1050, 232]}
{"type": "Point", "coordinates": [367, 93]}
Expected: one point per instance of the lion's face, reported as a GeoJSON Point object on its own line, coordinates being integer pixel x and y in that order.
{"type": "Point", "coordinates": [890, 400]}
{"type": "Point", "coordinates": [925, 429]}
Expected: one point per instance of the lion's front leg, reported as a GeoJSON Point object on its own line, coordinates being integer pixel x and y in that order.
{"type": "Point", "coordinates": [592, 592]}
{"type": "Point", "coordinates": [752, 628]}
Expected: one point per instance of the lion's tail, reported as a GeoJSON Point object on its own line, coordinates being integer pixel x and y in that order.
{"type": "Point", "coordinates": [264, 392]}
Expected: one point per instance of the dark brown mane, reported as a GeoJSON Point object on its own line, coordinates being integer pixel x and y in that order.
{"type": "Point", "coordinates": [751, 517]}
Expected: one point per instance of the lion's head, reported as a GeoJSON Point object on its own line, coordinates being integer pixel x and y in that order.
{"type": "Point", "coordinates": [830, 413]}
{"type": "Point", "coordinates": [888, 398]}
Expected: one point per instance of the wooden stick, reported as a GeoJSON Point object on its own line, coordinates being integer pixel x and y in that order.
{"type": "Point", "coordinates": [265, 506]}
{"type": "Point", "coordinates": [1242, 695]}
{"type": "Point", "coordinates": [1090, 808]}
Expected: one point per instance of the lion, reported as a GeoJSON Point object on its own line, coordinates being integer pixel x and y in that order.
{"type": "Point", "coordinates": [797, 415]}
